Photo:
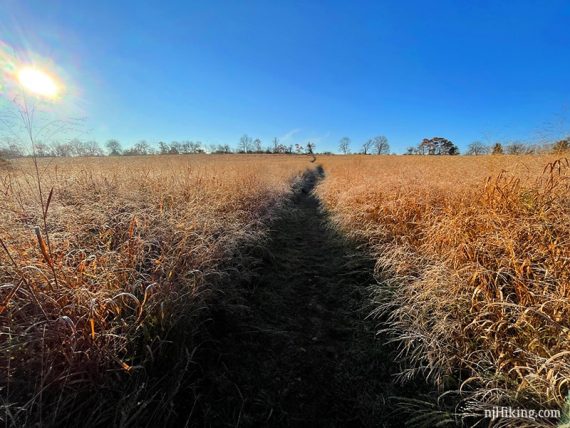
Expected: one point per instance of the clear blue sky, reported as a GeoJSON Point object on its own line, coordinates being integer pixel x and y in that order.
{"type": "Point", "coordinates": [300, 70]}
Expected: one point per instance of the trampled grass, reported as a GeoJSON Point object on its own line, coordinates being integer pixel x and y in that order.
{"type": "Point", "coordinates": [112, 254]}
{"type": "Point", "coordinates": [473, 267]}
{"type": "Point", "coordinates": [473, 264]}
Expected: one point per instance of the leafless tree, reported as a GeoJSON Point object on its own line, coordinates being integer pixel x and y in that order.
{"type": "Point", "coordinates": [43, 150]}
{"type": "Point", "coordinates": [11, 148]}
{"type": "Point", "coordinates": [245, 144]}
{"type": "Point", "coordinates": [516, 148]}
{"type": "Point", "coordinates": [256, 146]}
{"type": "Point", "coordinates": [163, 148]}
{"type": "Point", "coordinates": [477, 148]}
{"type": "Point", "coordinates": [366, 146]}
{"type": "Point", "coordinates": [188, 147]}
{"type": "Point", "coordinates": [114, 147]}
{"type": "Point", "coordinates": [142, 148]}
{"type": "Point", "coordinates": [380, 144]}
{"type": "Point", "coordinates": [63, 150]}
{"type": "Point", "coordinates": [92, 148]}
{"type": "Point", "coordinates": [344, 145]}
{"type": "Point", "coordinates": [175, 148]}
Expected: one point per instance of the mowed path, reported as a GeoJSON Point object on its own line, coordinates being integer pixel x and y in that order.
{"type": "Point", "coordinates": [300, 352]}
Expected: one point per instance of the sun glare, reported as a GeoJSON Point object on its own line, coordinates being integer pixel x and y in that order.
{"type": "Point", "coordinates": [38, 82]}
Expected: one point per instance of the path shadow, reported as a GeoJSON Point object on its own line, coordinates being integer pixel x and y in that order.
{"type": "Point", "coordinates": [301, 351]}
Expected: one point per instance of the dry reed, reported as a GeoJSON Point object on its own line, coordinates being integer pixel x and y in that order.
{"type": "Point", "coordinates": [473, 268]}
{"type": "Point", "coordinates": [111, 255]}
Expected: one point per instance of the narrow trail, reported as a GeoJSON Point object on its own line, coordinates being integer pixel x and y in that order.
{"type": "Point", "coordinates": [301, 353]}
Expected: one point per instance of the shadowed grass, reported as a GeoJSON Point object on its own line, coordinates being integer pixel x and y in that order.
{"type": "Point", "coordinates": [100, 270]}
{"type": "Point", "coordinates": [473, 260]}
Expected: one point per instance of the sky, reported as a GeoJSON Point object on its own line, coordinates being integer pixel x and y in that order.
{"type": "Point", "coordinates": [304, 70]}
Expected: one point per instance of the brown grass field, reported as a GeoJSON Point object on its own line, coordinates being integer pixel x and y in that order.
{"type": "Point", "coordinates": [103, 258]}
{"type": "Point", "coordinates": [96, 273]}
{"type": "Point", "coordinates": [473, 263]}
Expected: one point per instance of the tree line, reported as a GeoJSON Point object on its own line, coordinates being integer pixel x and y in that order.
{"type": "Point", "coordinates": [77, 148]}
{"type": "Point", "coordinates": [477, 148]}
{"type": "Point", "coordinates": [247, 145]}
{"type": "Point", "coordinates": [442, 146]}
{"type": "Point", "coordinates": [377, 145]}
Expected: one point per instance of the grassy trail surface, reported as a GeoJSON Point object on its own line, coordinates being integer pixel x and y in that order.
{"type": "Point", "coordinates": [300, 352]}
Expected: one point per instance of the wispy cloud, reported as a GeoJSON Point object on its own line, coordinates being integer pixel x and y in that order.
{"type": "Point", "coordinates": [289, 135]}
{"type": "Point", "coordinates": [320, 138]}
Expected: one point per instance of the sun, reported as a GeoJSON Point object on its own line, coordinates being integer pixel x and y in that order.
{"type": "Point", "coordinates": [38, 82]}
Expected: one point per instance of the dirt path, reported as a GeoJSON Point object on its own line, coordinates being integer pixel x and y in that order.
{"type": "Point", "coordinates": [301, 352]}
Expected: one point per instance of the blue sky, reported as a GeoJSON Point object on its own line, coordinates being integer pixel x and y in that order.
{"type": "Point", "coordinates": [305, 70]}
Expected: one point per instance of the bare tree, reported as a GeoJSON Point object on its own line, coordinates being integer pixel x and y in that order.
{"type": "Point", "coordinates": [380, 144]}
{"type": "Point", "coordinates": [257, 146]}
{"type": "Point", "coordinates": [43, 150]}
{"type": "Point", "coordinates": [516, 148]}
{"type": "Point", "coordinates": [245, 144]}
{"type": "Point", "coordinates": [114, 147]}
{"type": "Point", "coordinates": [11, 149]}
{"type": "Point", "coordinates": [366, 146]}
{"type": "Point", "coordinates": [344, 145]}
{"type": "Point", "coordinates": [163, 148]}
{"type": "Point", "coordinates": [197, 147]}
{"type": "Point", "coordinates": [175, 148]}
{"type": "Point", "coordinates": [477, 148]}
{"type": "Point", "coordinates": [142, 148]}
{"type": "Point", "coordinates": [92, 148]}
{"type": "Point", "coordinates": [62, 149]}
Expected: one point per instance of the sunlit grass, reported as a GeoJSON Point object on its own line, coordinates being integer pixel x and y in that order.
{"type": "Point", "coordinates": [134, 245]}
{"type": "Point", "coordinates": [473, 267]}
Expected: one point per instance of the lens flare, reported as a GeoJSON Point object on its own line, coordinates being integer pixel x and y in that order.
{"type": "Point", "coordinates": [38, 82]}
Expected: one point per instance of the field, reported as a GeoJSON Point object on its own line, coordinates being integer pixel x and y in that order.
{"type": "Point", "coordinates": [135, 271]}
{"type": "Point", "coordinates": [95, 274]}
{"type": "Point", "coordinates": [473, 264]}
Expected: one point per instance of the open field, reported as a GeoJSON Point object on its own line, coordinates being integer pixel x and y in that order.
{"type": "Point", "coordinates": [284, 214]}
{"type": "Point", "coordinates": [473, 264]}
{"type": "Point", "coordinates": [95, 275]}
{"type": "Point", "coordinates": [236, 289]}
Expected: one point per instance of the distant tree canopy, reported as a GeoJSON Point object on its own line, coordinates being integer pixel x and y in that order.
{"type": "Point", "coordinates": [380, 145]}
{"type": "Point", "coordinates": [11, 149]}
{"type": "Point", "coordinates": [114, 148]}
{"type": "Point", "coordinates": [477, 148]}
{"type": "Point", "coordinates": [367, 146]}
{"type": "Point", "coordinates": [437, 146]}
{"type": "Point", "coordinates": [516, 148]}
{"type": "Point", "coordinates": [377, 145]}
{"type": "Point", "coordinates": [344, 145]}
{"type": "Point", "coordinates": [497, 149]}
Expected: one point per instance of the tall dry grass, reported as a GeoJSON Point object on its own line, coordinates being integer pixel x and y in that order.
{"type": "Point", "coordinates": [473, 268]}
{"type": "Point", "coordinates": [102, 260]}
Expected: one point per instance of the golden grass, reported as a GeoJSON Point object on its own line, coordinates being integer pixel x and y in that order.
{"type": "Point", "coordinates": [473, 267]}
{"type": "Point", "coordinates": [93, 273]}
